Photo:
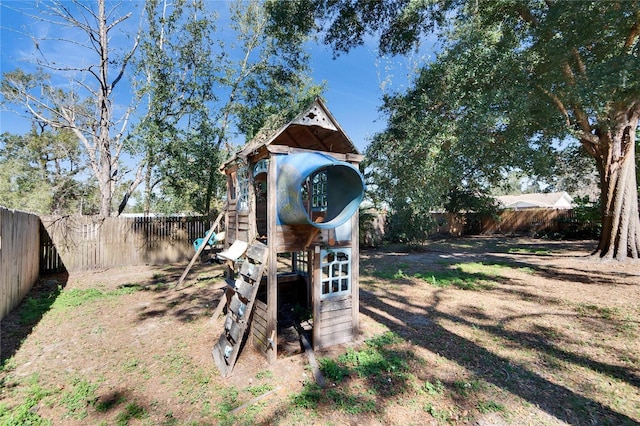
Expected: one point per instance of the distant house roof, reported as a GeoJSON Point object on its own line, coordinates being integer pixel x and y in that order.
{"type": "Point", "coordinates": [314, 128]}
{"type": "Point", "coordinates": [551, 200]}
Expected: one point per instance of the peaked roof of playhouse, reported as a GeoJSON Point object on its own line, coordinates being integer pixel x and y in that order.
{"type": "Point", "coordinates": [552, 200]}
{"type": "Point", "coordinates": [314, 129]}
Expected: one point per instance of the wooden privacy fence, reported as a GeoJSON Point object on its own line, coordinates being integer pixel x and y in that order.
{"type": "Point", "coordinates": [19, 256]}
{"type": "Point", "coordinates": [529, 221]}
{"type": "Point", "coordinates": [87, 242]}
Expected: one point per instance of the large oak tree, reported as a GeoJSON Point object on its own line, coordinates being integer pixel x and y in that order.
{"type": "Point", "coordinates": [519, 76]}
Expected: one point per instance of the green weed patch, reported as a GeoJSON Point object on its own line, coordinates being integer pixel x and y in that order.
{"type": "Point", "coordinates": [75, 297]}
{"type": "Point", "coordinates": [24, 414]}
{"type": "Point", "coordinates": [467, 276]}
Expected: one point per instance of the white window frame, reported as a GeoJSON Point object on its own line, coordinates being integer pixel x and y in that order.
{"type": "Point", "coordinates": [319, 189]}
{"type": "Point", "coordinates": [335, 270]}
{"type": "Point", "coordinates": [243, 188]}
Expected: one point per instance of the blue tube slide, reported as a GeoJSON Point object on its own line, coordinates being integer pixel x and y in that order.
{"type": "Point", "coordinates": [339, 193]}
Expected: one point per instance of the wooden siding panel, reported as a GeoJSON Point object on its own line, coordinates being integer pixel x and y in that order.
{"type": "Point", "coordinates": [335, 339]}
{"type": "Point", "coordinates": [334, 322]}
{"type": "Point", "coordinates": [259, 326]}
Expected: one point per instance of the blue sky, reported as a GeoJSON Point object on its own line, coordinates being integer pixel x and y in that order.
{"type": "Point", "coordinates": [353, 81]}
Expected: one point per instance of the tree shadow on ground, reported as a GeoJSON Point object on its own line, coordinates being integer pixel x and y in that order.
{"type": "Point", "coordinates": [195, 298]}
{"type": "Point", "coordinates": [558, 401]}
{"type": "Point", "coordinates": [18, 324]}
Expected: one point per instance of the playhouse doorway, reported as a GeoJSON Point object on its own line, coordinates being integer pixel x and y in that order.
{"type": "Point", "coordinates": [294, 305]}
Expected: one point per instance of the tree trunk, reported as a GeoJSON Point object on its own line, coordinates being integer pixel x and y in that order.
{"type": "Point", "coordinates": [620, 238]}
{"type": "Point", "coordinates": [104, 106]}
{"type": "Point", "coordinates": [147, 183]}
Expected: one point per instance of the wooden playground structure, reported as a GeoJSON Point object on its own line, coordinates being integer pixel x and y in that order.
{"type": "Point", "coordinates": [291, 237]}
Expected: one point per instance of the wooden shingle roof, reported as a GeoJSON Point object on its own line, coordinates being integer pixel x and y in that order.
{"type": "Point", "coordinates": [313, 129]}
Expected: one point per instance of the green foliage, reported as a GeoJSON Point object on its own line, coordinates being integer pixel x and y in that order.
{"type": "Point", "coordinates": [332, 370]}
{"type": "Point", "coordinates": [438, 414]}
{"type": "Point", "coordinates": [377, 360]}
{"type": "Point", "coordinates": [259, 389]}
{"type": "Point", "coordinates": [38, 171]}
{"type": "Point", "coordinates": [384, 366]}
{"type": "Point", "coordinates": [455, 278]}
{"type": "Point", "coordinates": [131, 411]}
{"type": "Point", "coordinates": [24, 414]}
{"type": "Point", "coordinates": [266, 374]}
{"type": "Point", "coordinates": [201, 89]}
{"type": "Point", "coordinates": [229, 402]}
{"type": "Point", "coordinates": [489, 406]}
{"type": "Point", "coordinates": [466, 388]}
{"type": "Point", "coordinates": [81, 396]}
{"type": "Point", "coordinates": [80, 94]}
{"type": "Point", "coordinates": [466, 276]}
{"type": "Point", "coordinates": [75, 297]}
{"type": "Point", "coordinates": [433, 389]}
{"type": "Point", "coordinates": [21, 190]}
{"type": "Point", "coordinates": [309, 397]}
{"type": "Point", "coordinates": [588, 218]}
{"type": "Point", "coordinates": [407, 223]}
{"type": "Point", "coordinates": [511, 89]}
{"type": "Point", "coordinates": [35, 307]}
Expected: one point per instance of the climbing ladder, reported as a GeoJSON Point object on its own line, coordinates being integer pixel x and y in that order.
{"type": "Point", "coordinates": [241, 294]}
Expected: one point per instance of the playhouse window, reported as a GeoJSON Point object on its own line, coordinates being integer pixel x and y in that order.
{"type": "Point", "coordinates": [319, 191]}
{"type": "Point", "coordinates": [231, 190]}
{"type": "Point", "coordinates": [300, 263]}
{"type": "Point", "coordinates": [336, 272]}
{"type": "Point", "coordinates": [243, 189]}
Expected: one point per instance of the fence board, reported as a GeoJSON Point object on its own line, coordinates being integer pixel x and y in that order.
{"type": "Point", "coordinates": [19, 257]}
{"type": "Point", "coordinates": [86, 242]}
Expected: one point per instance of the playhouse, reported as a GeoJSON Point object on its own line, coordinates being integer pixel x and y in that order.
{"type": "Point", "coordinates": [293, 194]}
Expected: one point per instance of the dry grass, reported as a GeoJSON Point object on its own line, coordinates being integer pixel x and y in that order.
{"type": "Point", "coordinates": [470, 331]}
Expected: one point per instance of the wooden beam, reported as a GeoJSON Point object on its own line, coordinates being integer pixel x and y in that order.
{"type": "Point", "coordinates": [317, 374]}
{"type": "Point", "coordinates": [355, 273]}
{"type": "Point", "coordinates": [200, 249]}
{"type": "Point", "coordinates": [282, 149]}
{"type": "Point", "coordinates": [254, 400]}
{"type": "Point", "coordinates": [272, 268]}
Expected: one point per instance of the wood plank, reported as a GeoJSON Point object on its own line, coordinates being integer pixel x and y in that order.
{"type": "Point", "coordinates": [254, 400]}
{"type": "Point", "coordinates": [272, 269]}
{"type": "Point", "coordinates": [336, 304]}
{"type": "Point", "coordinates": [283, 149]}
{"type": "Point", "coordinates": [317, 374]}
{"type": "Point", "coordinates": [261, 306]}
{"type": "Point", "coordinates": [355, 273]}
{"type": "Point", "coordinates": [19, 257]}
{"type": "Point", "coordinates": [259, 327]}
{"type": "Point", "coordinates": [332, 316]}
{"type": "Point", "coordinates": [249, 270]}
{"type": "Point", "coordinates": [259, 319]}
{"type": "Point", "coordinates": [328, 340]}
{"type": "Point", "coordinates": [336, 327]}
{"type": "Point", "coordinates": [258, 252]}
{"type": "Point", "coordinates": [245, 290]}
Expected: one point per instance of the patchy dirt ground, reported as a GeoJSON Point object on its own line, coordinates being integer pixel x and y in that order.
{"type": "Point", "coordinates": [487, 331]}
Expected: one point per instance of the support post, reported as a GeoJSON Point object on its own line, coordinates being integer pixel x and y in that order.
{"type": "Point", "coordinates": [272, 268]}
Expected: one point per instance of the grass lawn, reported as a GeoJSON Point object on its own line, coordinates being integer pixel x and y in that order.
{"type": "Point", "coordinates": [483, 331]}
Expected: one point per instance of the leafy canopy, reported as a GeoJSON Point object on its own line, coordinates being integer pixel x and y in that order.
{"type": "Point", "coordinates": [514, 85]}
